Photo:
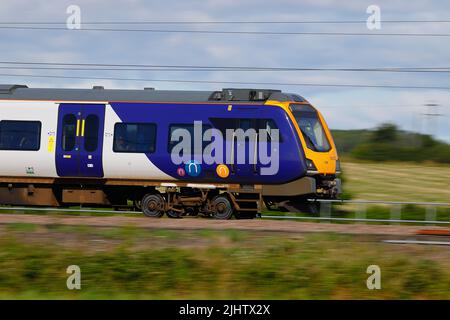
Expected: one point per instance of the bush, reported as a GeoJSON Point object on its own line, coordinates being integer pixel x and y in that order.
{"type": "Point", "coordinates": [387, 143]}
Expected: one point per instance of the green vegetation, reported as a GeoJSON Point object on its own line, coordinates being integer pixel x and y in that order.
{"type": "Point", "coordinates": [388, 143]}
{"type": "Point", "coordinates": [142, 264]}
{"type": "Point", "coordinates": [408, 212]}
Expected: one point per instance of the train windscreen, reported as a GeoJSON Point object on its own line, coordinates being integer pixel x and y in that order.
{"type": "Point", "coordinates": [311, 127]}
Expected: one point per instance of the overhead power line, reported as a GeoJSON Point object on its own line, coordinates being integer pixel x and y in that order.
{"type": "Point", "coordinates": [381, 105]}
{"type": "Point", "coordinates": [257, 33]}
{"type": "Point", "coordinates": [209, 69]}
{"type": "Point", "coordinates": [258, 22]}
{"type": "Point", "coordinates": [17, 65]}
{"type": "Point", "coordinates": [230, 82]}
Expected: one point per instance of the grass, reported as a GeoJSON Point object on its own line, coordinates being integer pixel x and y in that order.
{"type": "Point", "coordinates": [127, 263]}
{"type": "Point", "coordinates": [397, 181]}
{"type": "Point", "coordinates": [400, 181]}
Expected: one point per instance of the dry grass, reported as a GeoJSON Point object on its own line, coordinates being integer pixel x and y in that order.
{"type": "Point", "coordinates": [397, 181]}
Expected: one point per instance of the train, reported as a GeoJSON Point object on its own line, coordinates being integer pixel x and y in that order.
{"type": "Point", "coordinates": [145, 150]}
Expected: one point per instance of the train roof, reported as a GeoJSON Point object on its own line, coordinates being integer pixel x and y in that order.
{"type": "Point", "coordinates": [97, 93]}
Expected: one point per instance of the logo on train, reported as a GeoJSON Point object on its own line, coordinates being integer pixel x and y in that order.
{"type": "Point", "coordinates": [193, 168]}
{"type": "Point", "coordinates": [222, 171]}
{"type": "Point", "coordinates": [181, 172]}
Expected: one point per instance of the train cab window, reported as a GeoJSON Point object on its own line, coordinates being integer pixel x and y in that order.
{"type": "Point", "coordinates": [134, 137]}
{"type": "Point", "coordinates": [311, 127]}
{"type": "Point", "coordinates": [69, 132]}
{"type": "Point", "coordinates": [189, 127]}
{"type": "Point", "coordinates": [91, 133]}
{"type": "Point", "coordinates": [20, 135]}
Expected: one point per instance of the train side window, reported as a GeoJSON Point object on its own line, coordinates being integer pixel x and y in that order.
{"type": "Point", "coordinates": [91, 133]}
{"type": "Point", "coordinates": [134, 137]}
{"type": "Point", "coordinates": [236, 123]}
{"type": "Point", "coordinates": [189, 127]}
{"type": "Point", "coordinates": [69, 132]}
{"type": "Point", "coordinates": [20, 135]}
{"type": "Point", "coordinates": [223, 124]}
{"type": "Point", "coordinates": [268, 125]}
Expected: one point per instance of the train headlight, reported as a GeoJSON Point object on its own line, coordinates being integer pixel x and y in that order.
{"type": "Point", "coordinates": [310, 165]}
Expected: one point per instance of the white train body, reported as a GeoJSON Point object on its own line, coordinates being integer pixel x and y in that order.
{"type": "Point", "coordinates": [41, 162]}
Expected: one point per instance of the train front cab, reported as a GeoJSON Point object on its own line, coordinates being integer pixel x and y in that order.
{"type": "Point", "coordinates": [323, 166]}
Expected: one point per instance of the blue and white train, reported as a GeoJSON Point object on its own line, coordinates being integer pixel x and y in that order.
{"type": "Point", "coordinates": [100, 147]}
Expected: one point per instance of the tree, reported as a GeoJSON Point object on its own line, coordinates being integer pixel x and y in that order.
{"type": "Point", "coordinates": [387, 132]}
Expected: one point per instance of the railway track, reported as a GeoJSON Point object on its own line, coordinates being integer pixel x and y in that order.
{"type": "Point", "coordinates": [265, 216]}
{"type": "Point", "coordinates": [382, 232]}
{"type": "Point", "coordinates": [389, 234]}
{"type": "Point", "coordinates": [360, 224]}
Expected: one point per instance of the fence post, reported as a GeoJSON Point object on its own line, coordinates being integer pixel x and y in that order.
{"type": "Point", "coordinates": [396, 212]}
{"type": "Point", "coordinates": [431, 214]}
{"type": "Point", "coordinates": [325, 210]}
{"type": "Point", "coordinates": [361, 212]}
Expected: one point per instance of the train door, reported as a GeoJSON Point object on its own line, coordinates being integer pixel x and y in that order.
{"type": "Point", "coordinates": [80, 140]}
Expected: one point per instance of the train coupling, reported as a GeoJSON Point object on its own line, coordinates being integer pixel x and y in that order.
{"type": "Point", "coordinates": [330, 188]}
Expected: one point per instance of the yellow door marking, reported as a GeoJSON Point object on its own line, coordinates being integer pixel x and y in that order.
{"type": "Point", "coordinates": [51, 144]}
{"type": "Point", "coordinates": [78, 127]}
{"type": "Point", "coordinates": [82, 127]}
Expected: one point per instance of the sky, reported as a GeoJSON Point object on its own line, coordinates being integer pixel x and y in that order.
{"type": "Point", "coordinates": [343, 107]}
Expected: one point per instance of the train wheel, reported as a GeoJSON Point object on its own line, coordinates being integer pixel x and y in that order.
{"type": "Point", "coordinates": [222, 208]}
{"type": "Point", "coordinates": [137, 205]}
{"type": "Point", "coordinates": [173, 214]}
{"type": "Point", "coordinates": [153, 205]}
{"type": "Point", "coordinates": [192, 211]}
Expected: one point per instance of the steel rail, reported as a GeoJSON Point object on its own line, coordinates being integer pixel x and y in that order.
{"type": "Point", "coordinates": [64, 210]}
{"type": "Point", "coordinates": [439, 243]}
{"type": "Point", "coordinates": [419, 203]}
{"type": "Point", "coordinates": [321, 218]}
{"type": "Point", "coordinates": [355, 219]}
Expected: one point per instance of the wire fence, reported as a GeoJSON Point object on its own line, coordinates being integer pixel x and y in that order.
{"type": "Point", "coordinates": [325, 213]}
{"type": "Point", "coordinates": [361, 215]}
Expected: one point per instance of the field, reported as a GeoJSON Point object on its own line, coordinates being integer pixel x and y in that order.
{"type": "Point", "coordinates": [397, 181]}
{"type": "Point", "coordinates": [158, 260]}
{"type": "Point", "coordinates": [128, 262]}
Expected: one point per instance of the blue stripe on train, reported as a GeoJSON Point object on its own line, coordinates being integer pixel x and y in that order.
{"type": "Point", "coordinates": [292, 163]}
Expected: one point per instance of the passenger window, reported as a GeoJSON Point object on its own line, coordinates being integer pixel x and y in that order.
{"type": "Point", "coordinates": [223, 124]}
{"type": "Point", "coordinates": [91, 133]}
{"type": "Point", "coordinates": [69, 132]}
{"type": "Point", "coordinates": [268, 125]}
{"type": "Point", "coordinates": [232, 123]}
{"type": "Point", "coordinates": [134, 137]}
{"type": "Point", "coordinates": [245, 124]}
{"type": "Point", "coordinates": [20, 135]}
{"type": "Point", "coordinates": [190, 128]}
